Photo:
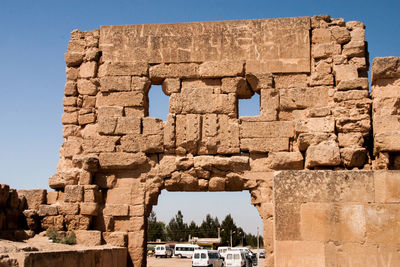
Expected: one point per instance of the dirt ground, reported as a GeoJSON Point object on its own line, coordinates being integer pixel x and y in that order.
{"type": "Point", "coordinates": [176, 262]}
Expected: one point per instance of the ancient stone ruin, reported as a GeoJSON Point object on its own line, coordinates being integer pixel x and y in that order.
{"type": "Point", "coordinates": [320, 161]}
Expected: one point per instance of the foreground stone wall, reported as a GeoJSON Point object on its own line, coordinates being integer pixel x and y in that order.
{"type": "Point", "coordinates": [315, 114]}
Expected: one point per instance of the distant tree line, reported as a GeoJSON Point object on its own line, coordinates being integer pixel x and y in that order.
{"type": "Point", "coordinates": [178, 231]}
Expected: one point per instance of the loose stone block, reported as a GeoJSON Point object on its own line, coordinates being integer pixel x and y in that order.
{"type": "Point", "coordinates": [285, 160]}
{"type": "Point", "coordinates": [354, 49]}
{"type": "Point", "coordinates": [323, 154]}
{"type": "Point", "coordinates": [345, 72]}
{"type": "Point", "coordinates": [34, 198]}
{"type": "Point", "coordinates": [88, 69]}
{"type": "Point", "coordinates": [171, 85]}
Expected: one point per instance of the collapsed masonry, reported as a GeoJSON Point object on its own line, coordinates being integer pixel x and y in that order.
{"type": "Point", "coordinates": [317, 173]}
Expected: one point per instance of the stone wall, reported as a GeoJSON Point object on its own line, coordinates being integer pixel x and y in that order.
{"type": "Point", "coordinates": [315, 114]}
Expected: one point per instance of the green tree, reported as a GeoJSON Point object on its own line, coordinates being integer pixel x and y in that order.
{"type": "Point", "coordinates": [228, 226]}
{"type": "Point", "coordinates": [155, 229]}
{"type": "Point", "coordinates": [209, 227]}
{"type": "Point", "coordinates": [193, 229]}
{"type": "Point", "coordinates": [177, 230]}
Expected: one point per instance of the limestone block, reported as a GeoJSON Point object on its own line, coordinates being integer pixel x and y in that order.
{"type": "Point", "coordinates": [345, 72]}
{"type": "Point", "coordinates": [72, 74]}
{"type": "Point", "coordinates": [34, 197]}
{"type": "Point", "coordinates": [387, 186]}
{"type": "Point", "coordinates": [228, 135]}
{"type": "Point", "coordinates": [341, 35]}
{"type": "Point", "coordinates": [99, 144]}
{"type": "Point", "coordinates": [303, 98]}
{"type": "Point", "coordinates": [354, 24]}
{"type": "Point", "coordinates": [72, 146]}
{"type": "Point", "coordinates": [184, 71]}
{"type": "Point", "coordinates": [311, 125]}
{"type": "Point", "coordinates": [354, 49]}
{"type": "Point", "coordinates": [266, 129]}
{"type": "Point", "coordinates": [152, 144]}
{"type": "Point", "coordinates": [70, 130]}
{"type": "Point", "coordinates": [85, 178]}
{"type": "Point", "coordinates": [339, 59]}
{"type": "Point", "coordinates": [86, 118]}
{"type": "Point", "coordinates": [92, 54]}
{"type": "Point", "coordinates": [73, 193]}
{"type": "Point", "coordinates": [386, 106]}
{"type": "Point", "coordinates": [216, 69]}
{"type": "Point", "coordinates": [383, 124]}
{"type": "Point", "coordinates": [77, 222]}
{"type": "Point", "coordinates": [237, 85]}
{"type": "Point", "coordinates": [341, 96]}
{"type": "Point", "coordinates": [171, 85]}
{"type": "Point", "coordinates": [362, 63]}
{"type": "Point", "coordinates": [73, 59]}
{"type": "Point", "coordinates": [91, 193]}
{"type": "Point", "coordinates": [321, 79]}
{"type": "Point", "coordinates": [117, 68]}
{"type": "Point", "coordinates": [188, 131]}
{"type": "Point", "coordinates": [382, 223]}
{"type": "Point", "coordinates": [285, 160]}
{"type": "Point", "coordinates": [140, 84]}
{"type": "Point", "coordinates": [287, 81]}
{"type": "Point", "coordinates": [358, 83]}
{"type": "Point", "coordinates": [115, 83]}
{"type": "Point", "coordinates": [51, 197]}
{"type": "Point", "coordinates": [124, 99]}
{"type": "Point", "coordinates": [61, 179]}
{"type": "Point", "coordinates": [318, 112]}
{"type": "Point", "coordinates": [70, 101]}
{"type": "Point", "coordinates": [269, 104]}
{"type": "Point", "coordinates": [387, 141]}
{"type": "Point", "coordinates": [109, 112]}
{"type": "Point", "coordinates": [261, 145]}
{"type": "Point", "coordinates": [385, 67]}
{"type": "Point", "coordinates": [76, 45]}
{"type": "Point", "coordinates": [115, 195]}
{"type": "Point", "coordinates": [321, 35]}
{"type": "Point", "coordinates": [216, 184]}
{"type": "Point", "coordinates": [117, 210]}
{"type": "Point", "coordinates": [324, 186]}
{"type": "Point", "coordinates": [206, 84]}
{"type": "Point", "coordinates": [323, 154]}
{"type": "Point", "coordinates": [360, 123]}
{"type": "Point", "coordinates": [56, 222]}
{"type": "Point", "coordinates": [131, 143]}
{"type": "Point", "coordinates": [287, 221]}
{"type": "Point", "coordinates": [128, 125]}
{"type": "Point", "coordinates": [88, 238]}
{"type": "Point", "coordinates": [91, 209]}
{"type": "Point", "coordinates": [70, 88]}
{"type": "Point", "coordinates": [350, 139]}
{"type": "Point", "coordinates": [152, 126]}
{"type": "Point", "coordinates": [121, 160]}
{"type": "Point", "coordinates": [209, 134]}
{"type": "Point", "coordinates": [325, 50]}
{"type": "Point", "coordinates": [315, 221]}
{"type": "Point", "coordinates": [86, 87]}
{"type": "Point", "coordinates": [237, 163]}
{"type": "Point", "coordinates": [69, 118]}
{"type": "Point", "coordinates": [89, 102]}
{"type": "Point", "coordinates": [119, 239]}
{"type": "Point", "coordinates": [259, 81]}
{"type": "Point", "coordinates": [353, 156]}
{"type": "Point", "coordinates": [48, 210]}
{"type": "Point", "coordinates": [66, 208]}
{"type": "Point", "coordinates": [88, 69]}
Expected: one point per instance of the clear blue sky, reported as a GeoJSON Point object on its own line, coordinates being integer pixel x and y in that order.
{"type": "Point", "coordinates": [34, 37]}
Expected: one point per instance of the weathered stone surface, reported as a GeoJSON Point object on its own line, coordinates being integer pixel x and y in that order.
{"type": "Point", "coordinates": [262, 129]}
{"type": "Point", "coordinates": [119, 239]}
{"type": "Point", "coordinates": [387, 186]}
{"type": "Point", "coordinates": [303, 98]}
{"type": "Point", "coordinates": [285, 160]}
{"type": "Point", "coordinates": [325, 125]}
{"type": "Point", "coordinates": [73, 193]}
{"type": "Point", "coordinates": [353, 156]}
{"type": "Point", "coordinates": [88, 238]}
{"type": "Point", "coordinates": [121, 160]}
{"type": "Point", "coordinates": [123, 68]}
{"type": "Point", "coordinates": [68, 208]}
{"type": "Point", "coordinates": [385, 67]}
{"type": "Point", "coordinates": [125, 99]}
{"type": "Point", "coordinates": [215, 69]}
{"type": "Point", "coordinates": [284, 35]}
{"type": "Point", "coordinates": [34, 197]}
{"type": "Point", "coordinates": [323, 154]}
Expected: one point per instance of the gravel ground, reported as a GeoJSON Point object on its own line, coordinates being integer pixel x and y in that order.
{"type": "Point", "coordinates": [176, 262]}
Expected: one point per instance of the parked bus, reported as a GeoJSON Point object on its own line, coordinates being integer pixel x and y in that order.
{"type": "Point", "coordinates": [185, 250]}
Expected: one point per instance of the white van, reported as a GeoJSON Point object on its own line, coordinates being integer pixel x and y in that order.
{"type": "Point", "coordinates": [237, 258]}
{"type": "Point", "coordinates": [249, 254]}
{"type": "Point", "coordinates": [208, 258]}
{"type": "Point", "coordinates": [163, 251]}
{"type": "Point", "coordinates": [185, 250]}
{"type": "Point", "coordinates": [223, 250]}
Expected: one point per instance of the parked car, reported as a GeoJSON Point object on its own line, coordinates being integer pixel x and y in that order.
{"type": "Point", "coordinates": [163, 251]}
{"type": "Point", "coordinates": [208, 258]}
{"type": "Point", "coordinates": [185, 250]}
{"type": "Point", "coordinates": [262, 253]}
{"type": "Point", "coordinates": [237, 258]}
